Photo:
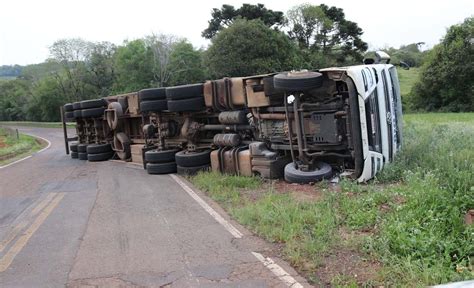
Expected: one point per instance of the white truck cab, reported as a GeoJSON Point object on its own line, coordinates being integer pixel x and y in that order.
{"type": "Point", "coordinates": [379, 101]}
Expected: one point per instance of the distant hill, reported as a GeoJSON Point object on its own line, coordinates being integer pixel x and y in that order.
{"type": "Point", "coordinates": [10, 71]}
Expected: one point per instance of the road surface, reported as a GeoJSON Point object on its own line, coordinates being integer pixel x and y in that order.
{"type": "Point", "coordinates": [67, 222]}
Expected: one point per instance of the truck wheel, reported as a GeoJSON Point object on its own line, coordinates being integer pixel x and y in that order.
{"type": "Point", "coordinates": [76, 106]}
{"type": "Point", "coordinates": [184, 92]}
{"type": "Point", "coordinates": [121, 146]}
{"type": "Point", "coordinates": [153, 105]}
{"type": "Point", "coordinates": [100, 156]}
{"type": "Point", "coordinates": [99, 148]}
{"type": "Point", "coordinates": [69, 115]}
{"type": "Point", "coordinates": [73, 147]}
{"type": "Point", "coordinates": [193, 159]}
{"type": "Point", "coordinates": [93, 112]}
{"type": "Point", "coordinates": [298, 81]}
{"type": "Point", "coordinates": [152, 94]}
{"type": "Point", "coordinates": [164, 156]}
{"type": "Point", "coordinates": [82, 155]}
{"type": "Point", "coordinates": [68, 107]}
{"type": "Point", "coordinates": [161, 168]}
{"type": "Point", "coordinates": [93, 103]}
{"type": "Point", "coordinates": [113, 122]}
{"type": "Point", "coordinates": [82, 148]}
{"type": "Point", "coordinates": [191, 104]}
{"type": "Point", "coordinates": [74, 155]}
{"type": "Point", "coordinates": [192, 170]}
{"type": "Point", "coordinates": [77, 113]}
{"type": "Point", "coordinates": [322, 171]}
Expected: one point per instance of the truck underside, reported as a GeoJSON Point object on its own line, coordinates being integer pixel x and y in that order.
{"type": "Point", "coordinates": [303, 126]}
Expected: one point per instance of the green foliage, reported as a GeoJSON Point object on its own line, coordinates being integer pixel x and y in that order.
{"type": "Point", "coordinates": [14, 96]}
{"type": "Point", "coordinates": [45, 102]}
{"type": "Point", "coordinates": [323, 30]}
{"type": "Point", "coordinates": [445, 82]}
{"type": "Point", "coordinates": [185, 65]}
{"type": "Point", "coordinates": [249, 48]}
{"type": "Point", "coordinates": [224, 17]}
{"type": "Point", "coordinates": [133, 67]}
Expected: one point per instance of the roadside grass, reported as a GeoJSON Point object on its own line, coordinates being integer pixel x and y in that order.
{"type": "Point", "coordinates": [12, 148]}
{"type": "Point", "coordinates": [37, 124]}
{"type": "Point", "coordinates": [404, 228]}
{"type": "Point", "coordinates": [407, 79]}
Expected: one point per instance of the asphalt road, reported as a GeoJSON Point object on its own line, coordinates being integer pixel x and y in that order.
{"type": "Point", "coordinates": [67, 222]}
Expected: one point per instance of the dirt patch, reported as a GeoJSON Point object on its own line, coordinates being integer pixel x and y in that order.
{"type": "Point", "coordinates": [2, 142]}
{"type": "Point", "coordinates": [302, 193]}
{"type": "Point", "coordinates": [346, 265]}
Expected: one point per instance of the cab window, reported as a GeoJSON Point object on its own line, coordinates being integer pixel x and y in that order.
{"type": "Point", "coordinates": [373, 122]}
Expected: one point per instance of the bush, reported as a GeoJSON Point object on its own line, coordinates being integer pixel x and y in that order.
{"type": "Point", "coordinates": [445, 82]}
{"type": "Point", "coordinates": [250, 48]}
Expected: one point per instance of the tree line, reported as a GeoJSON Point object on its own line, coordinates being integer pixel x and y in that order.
{"type": "Point", "coordinates": [248, 40]}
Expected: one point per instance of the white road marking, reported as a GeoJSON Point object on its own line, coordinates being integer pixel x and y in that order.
{"type": "Point", "coordinates": [276, 269]}
{"type": "Point", "coordinates": [229, 227]}
{"type": "Point", "coordinates": [27, 157]}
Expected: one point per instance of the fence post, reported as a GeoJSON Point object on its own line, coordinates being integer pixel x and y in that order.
{"type": "Point", "coordinates": [17, 135]}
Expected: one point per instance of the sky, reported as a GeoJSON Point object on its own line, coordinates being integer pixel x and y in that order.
{"type": "Point", "coordinates": [29, 27]}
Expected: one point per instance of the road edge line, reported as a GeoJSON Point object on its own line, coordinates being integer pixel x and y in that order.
{"type": "Point", "coordinates": [229, 227]}
{"type": "Point", "coordinates": [29, 156]}
{"type": "Point", "coordinates": [278, 271]}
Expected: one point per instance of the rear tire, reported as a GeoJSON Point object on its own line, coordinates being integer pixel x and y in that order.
{"type": "Point", "coordinates": [153, 106]}
{"type": "Point", "coordinates": [184, 92]}
{"type": "Point", "coordinates": [298, 81]}
{"type": "Point", "coordinates": [100, 156]}
{"type": "Point", "coordinates": [93, 112]}
{"type": "Point", "coordinates": [82, 156]}
{"type": "Point", "coordinates": [164, 156]}
{"type": "Point", "coordinates": [99, 148]}
{"type": "Point", "coordinates": [82, 148]}
{"type": "Point", "coordinates": [73, 147]}
{"type": "Point", "coordinates": [293, 175]}
{"type": "Point", "coordinates": [152, 94]}
{"type": "Point", "coordinates": [191, 104]}
{"type": "Point", "coordinates": [161, 168]}
{"type": "Point", "coordinates": [93, 103]}
{"type": "Point", "coordinates": [193, 159]}
{"type": "Point", "coordinates": [68, 107]}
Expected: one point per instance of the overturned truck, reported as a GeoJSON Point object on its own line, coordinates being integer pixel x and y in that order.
{"type": "Point", "coordinates": [301, 125]}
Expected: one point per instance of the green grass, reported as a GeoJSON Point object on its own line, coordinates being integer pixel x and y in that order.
{"type": "Point", "coordinates": [16, 148]}
{"type": "Point", "coordinates": [409, 220]}
{"type": "Point", "coordinates": [37, 124]}
{"type": "Point", "coordinates": [407, 79]}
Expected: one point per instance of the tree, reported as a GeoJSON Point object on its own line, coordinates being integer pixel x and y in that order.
{"type": "Point", "coordinates": [100, 64]}
{"type": "Point", "coordinates": [224, 17]}
{"type": "Point", "coordinates": [185, 65]}
{"type": "Point", "coordinates": [72, 55]}
{"type": "Point", "coordinates": [445, 82]}
{"type": "Point", "coordinates": [161, 47]}
{"type": "Point", "coordinates": [46, 100]}
{"type": "Point", "coordinates": [250, 47]}
{"type": "Point", "coordinates": [14, 95]}
{"type": "Point", "coordinates": [324, 29]}
{"type": "Point", "coordinates": [133, 67]}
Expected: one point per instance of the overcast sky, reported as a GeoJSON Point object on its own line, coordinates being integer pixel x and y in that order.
{"type": "Point", "coordinates": [27, 28]}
